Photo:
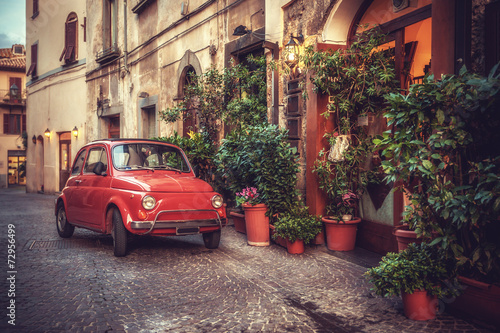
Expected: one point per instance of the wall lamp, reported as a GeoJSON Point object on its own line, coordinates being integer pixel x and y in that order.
{"type": "Point", "coordinates": [75, 132]}
{"type": "Point", "coordinates": [47, 133]}
{"type": "Point", "coordinates": [292, 50]}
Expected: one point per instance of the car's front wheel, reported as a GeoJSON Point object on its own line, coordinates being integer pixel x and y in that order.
{"type": "Point", "coordinates": [64, 229]}
{"type": "Point", "coordinates": [119, 234]}
{"type": "Point", "coordinates": [212, 239]}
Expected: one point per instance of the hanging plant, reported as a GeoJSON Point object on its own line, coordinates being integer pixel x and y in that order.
{"type": "Point", "coordinates": [356, 80]}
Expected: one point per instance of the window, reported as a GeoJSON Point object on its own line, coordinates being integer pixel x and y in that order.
{"type": "Point", "coordinates": [109, 31]}
{"type": "Point", "coordinates": [35, 9]}
{"type": "Point", "coordinates": [18, 49]}
{"type": "Point", "coordinates": [70, 39]}
{"type": "Point", "coordinates": [34, 60]}
{"type": "Point", "coordinates": [77, 167]}
{"type": "Point", "coordinates": [96, 155]}
{"type": "Point", "coordinates": [140, 156]}
{"type": "Point", "coordinates": [14, 123]}
{"type": "Point", "coordinates": [109, 24]}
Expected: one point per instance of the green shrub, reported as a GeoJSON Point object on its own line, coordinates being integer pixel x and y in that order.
{"type": "Point", "coordinates": [419, 267]}
{"type": "Point", "coordinates": [298, 224]}
{"type": "Point", "coordinates": [261, 157]}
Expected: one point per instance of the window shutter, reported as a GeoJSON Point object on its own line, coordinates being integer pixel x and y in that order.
{"type": "Point", "coordinates": [70, 41]}
{"type": "Point", "coordinates": [35, 7]}
{"type": "Point", "coordinates": [23, 129]}
{"type": "Point", "coordinates": [5, 123]}
{"type": "Point", "coordinates": [34, 60]}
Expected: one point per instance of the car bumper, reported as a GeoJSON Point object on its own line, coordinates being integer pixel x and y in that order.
{"type": "Point", "coordinates": [181, 227]}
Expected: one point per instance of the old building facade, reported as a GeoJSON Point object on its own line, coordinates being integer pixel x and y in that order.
{"type": "Point", "coordinates": [56, 91]}
{"type": "Point", "coordinates": [13, 115]}
{"type": "Point", "coordinates": [131, 59]}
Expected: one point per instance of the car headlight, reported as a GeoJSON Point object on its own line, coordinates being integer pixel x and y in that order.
{"type": "Point", "coordinates": [148, 202]}
{"type": "Point", "coordinates": [217, 201]}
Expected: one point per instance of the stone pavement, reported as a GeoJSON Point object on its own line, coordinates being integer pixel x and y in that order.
{"type": "Point", "coordinates": [176, 285]}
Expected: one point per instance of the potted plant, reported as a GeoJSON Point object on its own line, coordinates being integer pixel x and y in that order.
{"type": "Point", "coordinates": [356, 80]}
{"type": "Point", "coordinates": [440, 150]}
{"type": "Point", "coordinates": [261, 157]}
{"type": "Point", "coordinates": [256, 221]}
{"type": "Point", "coordinates": [297, 227]}
{"type": "Point", "coordinates": [420, 274]}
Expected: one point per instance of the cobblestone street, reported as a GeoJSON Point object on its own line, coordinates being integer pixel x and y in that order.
{"type": "Point", "coordinates": [177, 285]}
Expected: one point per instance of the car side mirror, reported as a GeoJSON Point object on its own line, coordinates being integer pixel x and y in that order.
{"type": "Point", "coordinates": [100, 169]}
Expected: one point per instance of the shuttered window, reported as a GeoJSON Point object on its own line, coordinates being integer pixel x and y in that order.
{"type": "Point", "coordinates": [14, 123]}
{"type": "Point", "coordinates": [70, 39]}
{"type": "Point", "coordinates": [34, 60]}
{"type": "Point", "coordinates": [35, 8]}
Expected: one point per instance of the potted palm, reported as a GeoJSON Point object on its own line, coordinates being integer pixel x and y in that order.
{"type": "Point", "coordinates": [297, 227]}
{"type": "Point", "coordinates": [420, 274]}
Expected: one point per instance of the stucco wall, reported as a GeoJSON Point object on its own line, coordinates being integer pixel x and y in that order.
{"type": "Point", "coordinates": [56, 99]}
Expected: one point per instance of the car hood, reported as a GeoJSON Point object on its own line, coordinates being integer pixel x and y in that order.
{"type": "Point", "coordinates": [161, 182]}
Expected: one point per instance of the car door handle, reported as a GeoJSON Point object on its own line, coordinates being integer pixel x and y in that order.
{"type": "Point", "coordinates": [78, 181]}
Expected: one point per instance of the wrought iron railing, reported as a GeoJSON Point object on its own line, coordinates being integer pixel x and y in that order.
{"type": "Point", "coordinates": [6, 96]}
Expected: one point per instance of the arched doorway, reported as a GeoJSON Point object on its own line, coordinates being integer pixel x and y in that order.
{"type": "Point", "coordinates": [409, 32]}
{"type": "Point", "coordinates": [189, 115]}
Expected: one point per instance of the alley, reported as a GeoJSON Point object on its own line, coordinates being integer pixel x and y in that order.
{"type": "Point", "coordinates": [177, 285]}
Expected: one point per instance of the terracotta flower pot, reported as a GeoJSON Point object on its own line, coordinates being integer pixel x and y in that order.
{"type": "Point", "coordinates": [479, 300]}
{"type": "Point", "coordinates": [257, 224]}
{"type": "Point", "coordinates": [278, 240]}
{"type": "Point", "coordinates": [419, 305]}
{"type": "Point", "coordinates": [405, 236]}
{"type": "Point", "coordinates": [239, 222]}
{"type": "Point", "coordinates": [296, 247]}
{"type": "Point", "coordinates": [341, 236]}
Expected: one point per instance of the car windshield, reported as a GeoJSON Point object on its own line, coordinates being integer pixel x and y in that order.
{"type": "Point", "coordinates": [135, 156]}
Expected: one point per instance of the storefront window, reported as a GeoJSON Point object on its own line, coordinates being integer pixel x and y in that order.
{"type": "Point", "coordinates": [17, 170]}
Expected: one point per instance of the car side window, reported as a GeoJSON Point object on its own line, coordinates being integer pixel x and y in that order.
{"type": "Point", "coordinates": [96, 155]}
{"type": "Point", "coordinates": [77, 167]}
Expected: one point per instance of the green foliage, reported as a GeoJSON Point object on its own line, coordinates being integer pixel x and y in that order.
{"type": "Point", "coordinates": [248, 93]}
{"type": "Point", "coordinates": [298, 224]}
{"type": "Point", "coordinates": [343, 177]}
{"type": "Point", "coordinates": [237, 95]}
{"type": "Point", "coordinates": [419, 267]}
{"type": "Point", "coordinates": [200, 151]}
{"type": "Point", "coordinates": [441, 149]}
{"type": "Point", "coordinates": [356, 79]}
{"type": "Point", "coordinates": [261, 157]}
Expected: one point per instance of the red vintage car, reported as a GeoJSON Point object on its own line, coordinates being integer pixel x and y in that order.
{"type": "Point", "coordinates": [140, 187]}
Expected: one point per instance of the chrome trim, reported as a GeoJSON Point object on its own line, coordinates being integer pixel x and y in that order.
{"type": "Point", "coordinates": [161, 225]}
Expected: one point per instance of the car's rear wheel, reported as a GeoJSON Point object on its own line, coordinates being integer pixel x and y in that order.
{"type": "Point", "coordinates": [119, 234]}
{"type": "Point", "coordinates": [212, 239]}
{"type": "Point", "coordinates": [64, 229]}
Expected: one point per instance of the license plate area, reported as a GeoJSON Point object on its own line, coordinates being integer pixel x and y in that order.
{"type": "Point", "coordinates": [180, 231]}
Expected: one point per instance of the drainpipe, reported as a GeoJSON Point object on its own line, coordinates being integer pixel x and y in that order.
{"type": "Point", "coordinates": [274, 47]}
{"type": "Point", "coordinates": [125, 52]}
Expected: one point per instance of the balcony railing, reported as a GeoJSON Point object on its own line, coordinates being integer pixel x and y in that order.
{"type": "Point", "coordinates": [107, 55]}
{"type": "Point", "coordinates": [7, 97]}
